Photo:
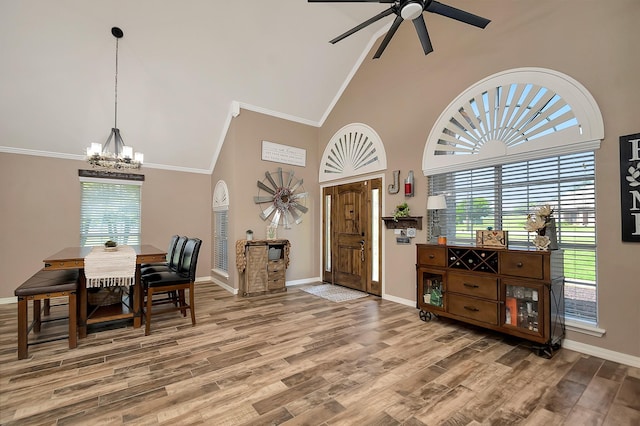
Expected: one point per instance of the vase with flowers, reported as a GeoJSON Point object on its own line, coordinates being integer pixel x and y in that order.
{"type": "Point", "coordinates": [544, 225]}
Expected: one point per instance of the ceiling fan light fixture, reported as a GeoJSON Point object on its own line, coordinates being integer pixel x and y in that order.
{"type": "Point", "coordinates": [411, 11]}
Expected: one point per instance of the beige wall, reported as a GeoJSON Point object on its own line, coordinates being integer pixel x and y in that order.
{"type": "Point", "coordinates": [40, 212]}
{"type": "Point", "coordinates": [240, 165]}
{"type": "Point", "coordinates": [402, 94]}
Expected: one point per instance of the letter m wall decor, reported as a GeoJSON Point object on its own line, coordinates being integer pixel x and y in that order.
{"type": "Point", "coordinates": [630, 187]}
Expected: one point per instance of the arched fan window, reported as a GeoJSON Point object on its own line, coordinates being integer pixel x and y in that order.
{"type": "Point", "coordinates": [513, 116]}
{"type": "Point", "coordinates": [356, 149]}
{"type": "Point", "coordinates": [220, 228]}
{"type": "Point", "coordinates": [510, 144]}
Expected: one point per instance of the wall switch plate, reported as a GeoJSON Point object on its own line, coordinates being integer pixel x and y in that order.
{"type": "Point", "coordinates": [397, 231]}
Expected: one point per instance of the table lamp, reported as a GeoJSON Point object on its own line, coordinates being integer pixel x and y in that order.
{"type": "Point", "coordinates": [435, 203]}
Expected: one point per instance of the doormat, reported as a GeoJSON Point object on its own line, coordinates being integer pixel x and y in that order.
{"type": "Point", "coordinates": [335, 293]}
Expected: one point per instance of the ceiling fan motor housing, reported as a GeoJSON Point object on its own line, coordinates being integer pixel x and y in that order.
{"type": "Point", "coordinates": [412, 10]}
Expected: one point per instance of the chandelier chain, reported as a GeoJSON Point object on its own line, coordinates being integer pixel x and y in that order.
{"type": "Point", "coordinates": [115, 119]}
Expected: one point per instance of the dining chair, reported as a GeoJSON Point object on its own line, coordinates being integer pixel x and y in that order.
{"type": "Point", "coordinates": [173, 281]}
{"type": "Point", "coordinates": [174, 252]}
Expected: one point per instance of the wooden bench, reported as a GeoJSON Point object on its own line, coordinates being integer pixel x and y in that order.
{"type": "Point", "coordinates": [45, 285]}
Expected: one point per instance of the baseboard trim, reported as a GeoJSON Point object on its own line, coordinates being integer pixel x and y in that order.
{"type": "Point", "coordinates": [630, 360]}
{"type": "Point", "coordinates": [303, 281]}
{"type": "Point", "coordinates": [224, 286]}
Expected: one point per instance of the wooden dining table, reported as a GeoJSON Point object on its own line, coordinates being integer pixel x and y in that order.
{"type": "Point", "coordinates": [73, 258]}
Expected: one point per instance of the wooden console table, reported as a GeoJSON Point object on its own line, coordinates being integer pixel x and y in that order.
{"type": "Point", "coordinates": [516, 292]}
{"type": "Point", "coordinates": [262, 265]}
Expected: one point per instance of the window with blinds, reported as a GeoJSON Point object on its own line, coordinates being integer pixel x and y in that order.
{"type": "Point", "coordinates": [109, 211]}
{"type": "Point", "coordinates": [501, 197]}
{"type": "Point", "coordinates": [220, 250]}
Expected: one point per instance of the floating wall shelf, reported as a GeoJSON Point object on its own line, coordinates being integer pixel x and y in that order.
{"type": "Point", "coordinates": [403, 222]}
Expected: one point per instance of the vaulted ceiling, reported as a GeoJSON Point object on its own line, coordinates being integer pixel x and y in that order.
{"type": "Point", "coordinates": [182, 66]}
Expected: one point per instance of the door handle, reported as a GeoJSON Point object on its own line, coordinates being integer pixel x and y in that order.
{"type": "Point", "coordinates": [362, 250]}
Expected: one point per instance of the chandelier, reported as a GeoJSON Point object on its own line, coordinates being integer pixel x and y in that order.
{"type": "Point", "coordinates": [122, 156]}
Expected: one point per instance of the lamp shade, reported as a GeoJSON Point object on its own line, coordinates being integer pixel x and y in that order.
{"type": "Point", "coordinates": [436, 202]}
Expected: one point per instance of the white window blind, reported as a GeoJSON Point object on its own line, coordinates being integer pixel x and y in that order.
{"type": "Point", "coordinates": [109, 211]}
{"type": "Point", "coordinates": [221, 255]}
{"type": "Point", "coordinates": [502, 196]}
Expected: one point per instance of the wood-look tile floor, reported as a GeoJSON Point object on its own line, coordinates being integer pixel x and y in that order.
{"type": "Point", "coordinates": [294, 358]}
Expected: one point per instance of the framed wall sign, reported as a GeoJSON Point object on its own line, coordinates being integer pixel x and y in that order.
{"type": "Point", "coordinates": [491, 238]}
{"type": "Point", "coordinates": [283, 154]}
{"type": "Point", "coordinates": [630, 187]}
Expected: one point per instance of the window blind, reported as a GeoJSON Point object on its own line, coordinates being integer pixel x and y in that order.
{"type": "Point", "coordinates": [221, 256]}
{"type": "Point", "coordinates": [109, 211]}
{"type": "Point", "coordinates": [501, 197]}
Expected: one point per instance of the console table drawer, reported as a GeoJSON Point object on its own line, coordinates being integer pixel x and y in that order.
{"type": "Point", "coordinates": [479, 310]}
{"type": "Point", "coordinates": [526, 265]}
{"type": "Point", "coordinates": [276, 284]}
{"type": "Point", "coordinates": [276, 275]}
{"type": "Point", "coordinates": [275, 266]}
{"type": "Point", "coordinates": [433, 256]}
{"type": "Point", "coordinates": [473, 285]}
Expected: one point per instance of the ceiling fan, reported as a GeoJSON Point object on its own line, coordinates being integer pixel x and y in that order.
{"type": "Point", "coordinates": [412, 10]}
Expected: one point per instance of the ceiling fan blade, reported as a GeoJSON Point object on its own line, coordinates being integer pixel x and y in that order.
{"type": "Point", "coordinates": [387, 38]}
{"type": "Point", "coordinates": [457, 14]}
{"type": "Point", "coordinates": [362, 25]}
{"type": "Point", "coordinates": [421, 28]}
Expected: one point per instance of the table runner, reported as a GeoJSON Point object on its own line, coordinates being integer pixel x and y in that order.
{"type": "Point", "coordinates": [104, 268]}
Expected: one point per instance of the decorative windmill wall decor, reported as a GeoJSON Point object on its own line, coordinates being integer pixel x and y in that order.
{"type": "Point", "coordinates": [281, 198]}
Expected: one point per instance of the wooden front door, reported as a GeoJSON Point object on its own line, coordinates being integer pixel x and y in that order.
{"type": "Point", "coordinates": [347, 221]}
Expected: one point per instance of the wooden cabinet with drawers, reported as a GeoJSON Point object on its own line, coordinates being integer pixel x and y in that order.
{"type": "Point", "coordinates": [517, 292]}
{"type": "Point", "coordinates": [262, 265]}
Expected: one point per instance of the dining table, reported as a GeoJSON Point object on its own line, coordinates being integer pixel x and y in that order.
{"type": "Point", "coordinates": [74, 258]}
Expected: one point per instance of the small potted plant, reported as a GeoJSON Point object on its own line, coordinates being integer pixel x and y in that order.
{"type": "Point", "coordinates": [249, 235]}
{"type": "Point", "coordinates": [402, 210]}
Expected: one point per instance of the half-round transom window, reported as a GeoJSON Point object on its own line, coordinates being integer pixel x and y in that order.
{"type": "Point", "coordinates": [355, 149]}
{"type": "Point", "coordinates": [513, 116]}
